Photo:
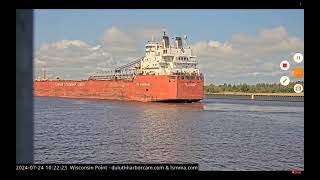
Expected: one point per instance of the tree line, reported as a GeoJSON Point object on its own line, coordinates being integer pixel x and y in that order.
{"type": "Point", "coordinates": [245, 88]}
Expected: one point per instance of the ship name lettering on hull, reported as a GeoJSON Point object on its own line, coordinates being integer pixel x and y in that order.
{"type": "Point", "coordinates": [190, 84]}
{"type": "Point", "coordinates": [143, 84]}
{"type": "Point", "coordinates": [69, 84]}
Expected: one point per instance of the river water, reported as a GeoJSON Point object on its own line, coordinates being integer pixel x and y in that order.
{"type": "Point", "coordinates": [218, 134]}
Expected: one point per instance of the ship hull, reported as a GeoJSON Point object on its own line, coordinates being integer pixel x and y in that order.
{"type": "Point", "coordinates": [145, 88]}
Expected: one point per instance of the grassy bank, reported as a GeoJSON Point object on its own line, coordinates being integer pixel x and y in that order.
{"type": "Point", "coordinates": [262, 94]}
{"type": "Point", "coordinates": [260, 88]}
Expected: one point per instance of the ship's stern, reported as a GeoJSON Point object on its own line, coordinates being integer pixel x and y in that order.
{"type": "Point", "coordinates": [190, 88]}
{"type": "Point", "coordinates": [182, 88]}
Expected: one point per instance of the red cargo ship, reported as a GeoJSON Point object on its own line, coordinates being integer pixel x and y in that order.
{"type": "Point", "coordinates": [165, 73]}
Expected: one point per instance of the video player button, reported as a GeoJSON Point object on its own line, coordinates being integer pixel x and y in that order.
{"type": "Point", "coordinates": [297, 73]}
{"type": "Point", "coordinates": [298, 88]}
{"type": "Point", "coordinates": [298, 57]}
{"type": "Point", "coordinates": [284, 80]}
{"type": "Point", "coordinates": [284, 65]}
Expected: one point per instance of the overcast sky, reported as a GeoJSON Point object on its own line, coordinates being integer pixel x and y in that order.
{"type": "Point", "coordinates": [233, 46]}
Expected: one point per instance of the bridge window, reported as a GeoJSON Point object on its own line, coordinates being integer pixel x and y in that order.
{"type": "Point", "coordinates": [172, 77]}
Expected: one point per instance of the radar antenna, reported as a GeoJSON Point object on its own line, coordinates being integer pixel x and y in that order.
{"type": "Point", "coordinates": [164, 32]}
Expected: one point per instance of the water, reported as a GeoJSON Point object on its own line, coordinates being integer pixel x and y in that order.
{"type": "Point", "coordinates": [218, 134]}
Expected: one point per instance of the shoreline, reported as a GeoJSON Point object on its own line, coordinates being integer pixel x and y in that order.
{"type": "Point", "coordinates": [257, 94]}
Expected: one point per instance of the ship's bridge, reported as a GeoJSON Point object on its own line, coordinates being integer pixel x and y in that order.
{"type": "Point", "coordinates": [151, 47]}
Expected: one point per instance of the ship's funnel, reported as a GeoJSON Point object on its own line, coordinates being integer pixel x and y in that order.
{"type": "Point", "coordinates": [165, 41]}
{"type": "Point", "coordinates": [179, 43]}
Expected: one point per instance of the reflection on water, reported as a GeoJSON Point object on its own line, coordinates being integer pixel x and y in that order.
{"type": "Point", "coordinates": [164, 125]}
{"type": "Point", "coordinates": [167, 106]}
{"type": "Point", "coordinates": [218, 134]}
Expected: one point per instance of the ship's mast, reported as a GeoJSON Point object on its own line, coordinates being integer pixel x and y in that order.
{"type": "Point", "coordinates": [44, 73]}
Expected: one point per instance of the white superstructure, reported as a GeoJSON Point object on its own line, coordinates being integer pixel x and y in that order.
{"type": "Point", "coordinates": [166, 59]}
{"type": "Point", "coordinates": [159, 59]}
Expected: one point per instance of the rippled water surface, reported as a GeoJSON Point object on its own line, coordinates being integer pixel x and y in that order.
{"type": "Point", "coordinates": [218, 134]}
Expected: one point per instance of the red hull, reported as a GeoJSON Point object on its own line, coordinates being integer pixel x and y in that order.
{"type": "Point", "coordinates": [141, 88]}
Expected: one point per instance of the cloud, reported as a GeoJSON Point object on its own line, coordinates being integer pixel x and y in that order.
{"type": "Point", "coordinates": [78, 59]}
{"type": "Point", "coordinates": [64, 44]}
{"type": "Point", "coordinates": [129, 41]}
{"type": "Point", "coordinates": [274, 40]}
{"type": "Point", "coordinates": [114, 36]}
{"type": "Point", "coordinates": [247, 58]}
{"type": "Point", "coordinates": [73, 57]}
{"type": "Point", "coordinates": [240, 59]}
{"type": "Point", "coordinates": [96, 47]}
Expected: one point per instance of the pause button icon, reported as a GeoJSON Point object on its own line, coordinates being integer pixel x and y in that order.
{"type": "Point", "coordinates": [298, 57]}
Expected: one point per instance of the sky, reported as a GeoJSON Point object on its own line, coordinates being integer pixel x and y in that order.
{"type": "Point", "coordinates": [233, 46]}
